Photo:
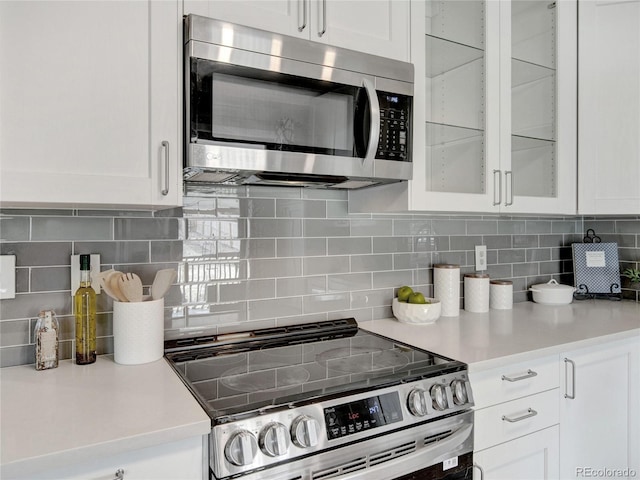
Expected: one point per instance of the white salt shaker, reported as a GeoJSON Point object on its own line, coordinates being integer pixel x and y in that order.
{"type": "Point", "coordinates": [501, 294]}
{"type": "Point", "coordinates": [476, 292]}
{"type": "Point", "coordinates": [446, 288]}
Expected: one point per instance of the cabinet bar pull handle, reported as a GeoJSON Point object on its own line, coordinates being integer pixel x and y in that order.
{"type": "Point", "coordinates": [165, 146]}
{"type": "Point", "coordinates": [480, 469]}
{"type": "Point", "coordinates": [529, 374]}
{"type": "Point", "coordinates": [304, 15]}
{"type": "Point", "coordinates": [509, 202]}
{"type": "Point", "coordinates": [530, 413]}
{"type": "Point", "coordinates": [499, 201]}
{"type": "Point", "coordinates": [573, 379]}
{"type": "Point", "coordinates": [119, 474]}
{"type": "Point", "coordinates": [324, 19]}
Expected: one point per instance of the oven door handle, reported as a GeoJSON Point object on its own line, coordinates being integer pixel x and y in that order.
{"type": "Point", "coordinates": [374, 130]}
{"type": "Point", "coordinates": [438, 451]}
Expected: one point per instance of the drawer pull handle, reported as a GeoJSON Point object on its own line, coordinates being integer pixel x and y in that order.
{"type": "Point", "coordinates": [530, 413]}
{"type": "Point", "coordinates": [529, 374]}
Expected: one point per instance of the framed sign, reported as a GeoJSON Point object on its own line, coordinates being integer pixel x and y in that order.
{"type": "Point", "coordinates": [596, 268]}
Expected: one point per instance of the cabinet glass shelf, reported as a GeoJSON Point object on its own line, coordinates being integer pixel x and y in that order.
{"type": "Point", "coordinates": [520, 142]}
{"type": "Point", "coordinates": [443, 134]}
{"type": "Point", "coordinates": [523, 73]}
{"type": "Point", "coordinates": [444, 55]}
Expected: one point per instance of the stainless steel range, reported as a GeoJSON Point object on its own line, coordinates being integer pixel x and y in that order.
{"type": "Point", "coordinates": [328, 400]}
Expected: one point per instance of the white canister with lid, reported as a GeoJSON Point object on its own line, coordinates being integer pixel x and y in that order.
{"type": "Point", "coordinates": [476, 292]}
{"type": "Point", "coordinates": [446, 288]}
{"type": "Point", "coordinates": [501, 295]}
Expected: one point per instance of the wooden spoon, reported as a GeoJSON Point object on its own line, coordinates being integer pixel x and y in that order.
{"type": "Point", "coordinates": [112, 280]}
{"type": "Point", "coordinates": [162, 282]}
{"type": "Point", "coordinates": [131, 287]}
{"type": "Point", "coordinates": [102, 281]}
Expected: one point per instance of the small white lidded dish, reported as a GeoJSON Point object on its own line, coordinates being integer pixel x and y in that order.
{"type": "Point", "coordinates": [417, 313]}
{"type": "Point", "coordinates": [552, 293]}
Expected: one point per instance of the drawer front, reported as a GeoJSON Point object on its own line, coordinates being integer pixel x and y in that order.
{"type": "Point", "coordinates": [514, 381]}
{"type": "Point", "coordinates": [506, 421]}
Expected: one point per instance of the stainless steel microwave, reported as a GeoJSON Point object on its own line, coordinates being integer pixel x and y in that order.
{"type": "Point", "coordinates": [264, 108]}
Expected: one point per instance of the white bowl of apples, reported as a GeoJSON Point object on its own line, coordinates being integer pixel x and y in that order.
{"type": "Point", "coordinates": [414, 308]}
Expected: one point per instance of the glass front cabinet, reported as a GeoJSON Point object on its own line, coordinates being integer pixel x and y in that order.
{"type": "Point", "coordinates": [495, 108]}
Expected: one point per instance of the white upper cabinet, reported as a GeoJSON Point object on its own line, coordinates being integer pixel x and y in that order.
{"type": "Point", "coordinates": [609, 106]}
{"type": "Point", "coordinates": [380, 27]}
{"type": "Point", "coordinates": [90, 103]}
{"type": "Point", "coordinates": [494, 109]}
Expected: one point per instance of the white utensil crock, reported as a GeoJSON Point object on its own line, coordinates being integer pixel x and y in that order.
{"type": "Point", "coordinates": [138, 331]}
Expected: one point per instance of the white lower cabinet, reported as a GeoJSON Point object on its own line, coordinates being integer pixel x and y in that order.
{"type": "Point", "coordinates": [516, 421]}
{"type": "Point", "coordinates": [576, 415]}
{"type": "Point", "coordinates": [599, 411]}
{"type": "Point", "coordinates": [180, 460]}
{"type": "Point", "coordinates": [534, 456]}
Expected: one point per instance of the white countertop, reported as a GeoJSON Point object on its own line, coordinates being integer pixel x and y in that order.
{"type": "Point", "coordinates": [73, 413]}
{"type": "Point", "coordinates": [488, 340]}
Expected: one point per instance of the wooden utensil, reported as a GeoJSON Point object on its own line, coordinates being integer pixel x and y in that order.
{"type": "Point", "coordinates": [131, 287]}
{"type": "Point", "coordinates": [113, 281]}
{"type": "Point", "coordinates": [162, 282]}
{"type": "Point", "coordinates": [102, 278]}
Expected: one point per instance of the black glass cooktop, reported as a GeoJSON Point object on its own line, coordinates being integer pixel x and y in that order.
{"type": "Point", "coordinates": [234, 375]}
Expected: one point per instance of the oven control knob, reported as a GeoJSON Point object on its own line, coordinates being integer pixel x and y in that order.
{"type": "Point", "coordinates": [459, 390]}
{"type": "Point", "coordinates": [305, 431]}
{"type": "Point", "coordinates": [418, 401]}
{"type": "Point", "coordinates": [274, 439]}
{"type": "Point", "coordinates": [439, 397]}
{"type": "Point", "coordinates": [241, 448]}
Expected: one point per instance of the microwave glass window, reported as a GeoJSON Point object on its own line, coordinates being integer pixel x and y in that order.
{"type": "Point", "coordinates": [248, 107]}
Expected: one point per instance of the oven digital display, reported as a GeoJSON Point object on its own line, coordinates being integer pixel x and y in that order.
{"type": "Point", "coordinates": [354, 417]}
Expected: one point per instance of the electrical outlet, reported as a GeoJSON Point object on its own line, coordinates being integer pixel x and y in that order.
{"type": "Point", "coordinates": [481, 257]}
{"type": "Point", "coordinates": [75, 273]}
{"type": "Point", "coordinates": [7, 276]}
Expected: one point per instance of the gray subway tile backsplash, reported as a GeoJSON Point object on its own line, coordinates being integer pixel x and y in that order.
{"type": "Point", "coordinates": [71, 228]}
{"type": "Point", "coordinates": [253, 257]}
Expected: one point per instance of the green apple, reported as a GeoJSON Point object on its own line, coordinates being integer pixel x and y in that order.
{"type": "Point", "coordinates": [403, 293]}
{"type": "Point", "coordinates": [417, 297]}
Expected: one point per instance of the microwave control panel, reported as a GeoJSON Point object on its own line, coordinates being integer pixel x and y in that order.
{"type": "Point", "coordinates": [394, 138]}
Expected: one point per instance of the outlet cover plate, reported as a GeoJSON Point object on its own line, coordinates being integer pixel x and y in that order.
{"type": "Point", "coordinates": [7, 276]}
{"type": "Point", "coordinates": [481, 258]}
{"type": "Point", "coordinates": [75, 273]}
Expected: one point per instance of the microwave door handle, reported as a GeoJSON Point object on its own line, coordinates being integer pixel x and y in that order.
{"type": "Point", "coordinates": [374, 131]}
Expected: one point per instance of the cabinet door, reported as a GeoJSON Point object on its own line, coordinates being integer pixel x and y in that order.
{"type": "Point", "coordinates": [92, 96]}
{"type": "Point", "coordinates": [179, 460]}
{"type": "Point", "coordinates": [609, 106]}
{"type": "Point", "coordinates": [599, 410]}
{"type": "Point", "coordinates": [538, 110]}
{"type": "Point", "coordinates": [455, 50]}
{"type": "Point", "coordinates": [533, 456]}
{"type": "Point", "coordinates": [380, 27]}
{"type": "Point", "coordinates": [288, 17]}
